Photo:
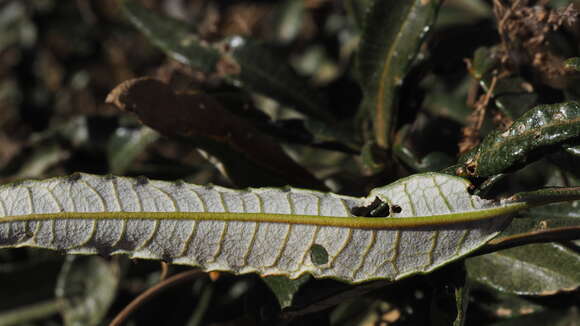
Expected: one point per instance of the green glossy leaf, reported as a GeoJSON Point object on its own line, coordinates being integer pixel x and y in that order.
{"type": "Point", "coordinates": [284, 288]}
{"type": "Point", "coordinates": [242, 61]}
{"type": "Point", "coordinates": [411, 226]}
{"type": "Point", "coordinates": [530, 136]}
{"type": "Point", "coordinates": [556, 222]}
{"type": "Point", "coordinates": [393, 32]}
{"type": "Point", "coordinates": [86, 288]}
{"type": "Point", "coordinates": [535, 269]}
{"type": "Point", "coordinates": [126, 144]}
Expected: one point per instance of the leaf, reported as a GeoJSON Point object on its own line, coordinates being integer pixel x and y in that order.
{"type": "Point", "coordinates": [126, 144]}
{"type": "Point", "coordinates": [392, 34]}
{"type": "Point", "coordinates": [284, 288]}
{"type": "Point", "coordinates": [555, 222]}
{"type": "Point", "coordinates": [428, 220]}
{"type": "Point", "coordinates": [176, 38]}
{"type": "Point", "coordinates": [356, 10]}
{"type": "Point", "coordinates": [535, 269]}
{"type": "Point", "coordinates": [572, 64]}
{"type": "Point", "coordinates": [533, 134]}
{"type": "Point", "coordinates": [249, 157]}
{"type": "Point", "coordinates": [26, 314]}
{"type": "Point", "coordinates": [450, 298]}
{"type": "Point", "coordinates": [86, 288]}
{"type": "Point", "coordinates": [512, 95]}
{"type": "Point", "coordinates": [242, 61]}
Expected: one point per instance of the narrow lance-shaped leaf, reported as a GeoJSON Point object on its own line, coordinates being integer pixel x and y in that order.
{"type": "Point", "coordinates": [536, 132]}
{"type": "Point", "coordinates": [247, 155]}
{"type": "Point", "coordinates": [86, 288]}
{"type": "Point", "coordinates": [411, 226]}
{"type": "Point", "coordinates": [535, 269]}
{"type": "Point", "coordinates": [242, 61]}
{"type": "Point", "coordinates": [392, 34]}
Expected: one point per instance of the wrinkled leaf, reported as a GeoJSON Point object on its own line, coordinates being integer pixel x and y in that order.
{"type": "Point", "coordinates": [392, 34]}
{"type": "Point", "coordinates": [411, 226]}
{"type": "Point", "coordinates": [535, 133]}
{"type": "Point", "coordinates": [242, 61]}
{"type": "Point", "coordinates": [248, 156]}
{"type": "Point", "coordinates": [86, 288]}
{"type": "Point", "coordinates": [535, 269]}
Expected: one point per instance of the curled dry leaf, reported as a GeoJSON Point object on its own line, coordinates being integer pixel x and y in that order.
{"type": "Point", "coordinates": [200, 118]}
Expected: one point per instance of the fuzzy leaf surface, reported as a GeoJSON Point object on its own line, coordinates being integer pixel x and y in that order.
{"type": "Point", "coordinates": [428, 220]}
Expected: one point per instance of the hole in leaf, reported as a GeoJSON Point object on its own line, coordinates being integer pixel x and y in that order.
{"type": "Point", "coordinates": [397, 209]}
{"type": "Point", "coordinates": [318, 254]}
{"type": "Point", "coordinates": [377, 208]}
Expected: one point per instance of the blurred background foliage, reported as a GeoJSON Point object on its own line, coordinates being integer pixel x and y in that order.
{"type": "Point", "coordinates": [299, 77]}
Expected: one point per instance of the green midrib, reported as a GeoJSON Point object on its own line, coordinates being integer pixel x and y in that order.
{"type": "Point", "coordinates": [347, 222]}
